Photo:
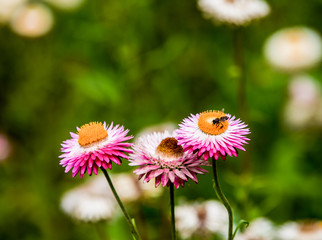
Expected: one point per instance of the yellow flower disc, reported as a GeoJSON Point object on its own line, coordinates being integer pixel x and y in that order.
{"type": "Point", "coordinates": [207, 125]}
{"type": "Point", "coordinates": [169, 148]}
{"type": "Point", "coordinates": [90, 133]}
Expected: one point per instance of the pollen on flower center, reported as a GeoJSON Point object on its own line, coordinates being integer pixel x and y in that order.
{"type": "Point", "coordinates": [90, 133]}
{"type": "Point", "coordinates": [169, 148]}
{"type": "Point", "coordinates": [213, 122]}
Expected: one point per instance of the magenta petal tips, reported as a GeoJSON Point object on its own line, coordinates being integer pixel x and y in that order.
{"type": "Point", "coordinates": [213, 134]}
{"type": "Point", "coordinates": [95, 145]}
{"type": "Point", "coordinates": [159, 156]}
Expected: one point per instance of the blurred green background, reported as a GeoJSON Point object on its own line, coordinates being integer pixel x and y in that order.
{"type": "Point", "coordinates": [141, 63]}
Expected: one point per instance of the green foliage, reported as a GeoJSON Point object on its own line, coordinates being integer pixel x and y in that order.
{"type": "Point", "coordinates": [139, 63]}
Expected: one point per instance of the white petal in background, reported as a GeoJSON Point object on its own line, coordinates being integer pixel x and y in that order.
{"type": "Point", "coordinates": [32, 20]}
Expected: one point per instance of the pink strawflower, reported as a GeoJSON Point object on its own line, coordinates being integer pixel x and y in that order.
{"type": "Point", "coordinates": [96, 145]}
{"type": "Point", "coordinates": [159, 156]}
{"type": "Point", "coordinates": [212, 134]}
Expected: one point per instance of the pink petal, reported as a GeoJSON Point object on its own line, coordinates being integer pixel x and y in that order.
{"type": "Point", "coordinates": [156, 173]}
{"type": "Point", "coordinates": [157, 181]}
{"type": "Point", "coordinates": [165, 179]}
{"type": "Point", "coordinates": [176, 183]}
{"type": "Point", "coordinates": [98, 163]}
{"type": "Point", "coordinates": [145, 169]}
{"type": "Point", "coordinates": [104, 165]}
{"type": "Point", "coordinates": [180, 174]}
{"type": "Point", "coordinates": [109, 165]}
{"type": "Point", "coordinates": [171, 176]}
{"type": "Point", "coordinates": [186, 172]}
{"type": "Point", "coordinates": [95, 169]}
{"type": "Point", "coordinates": [89, 170]}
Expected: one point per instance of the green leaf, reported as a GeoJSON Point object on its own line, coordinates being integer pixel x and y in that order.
{"type": "Point", "coordinates": [240, 224]}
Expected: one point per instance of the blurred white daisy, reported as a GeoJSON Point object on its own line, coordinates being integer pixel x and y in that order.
{"type": "Point", "coordinates": [216, 218]}
{"type": "Point", "coordinates": [293, 49]}
{"type": "Point", "coordinates": [259, 229]}
{"type": "Point", "coordinates": [300, 231]}
{"type": "Point", "coordinates": [66, 4]}
{"type": "Point", "coordinates": [8, 7]}
{"type": "Point", "coordinates": [148, 189]}
{"type": "Point", "coordinates": [288, 231]}
{"type": "Point", "coordinates": [166, 126]}
{"type": "Point", "coordinates": [303, 109]}
{"type": "Point", "coordinates": [204, 219]}
{"type": "Point", "coordinates": [187, 220]}
{"type": "Point", "coordinates": [304, 89]}
{"type": "Point", "coordinates": [236, 12]}
{"type": "Point", "coordinates": [86, 205]}
{"type": "Point", "coordinates": [32, 20]}
{"type": "Point", "coordinates": [126, 186]}
{"type": "Point", "coordinates": [130, 189]}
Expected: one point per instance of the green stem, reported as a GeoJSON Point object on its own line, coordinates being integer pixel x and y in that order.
{"type": "Point", "coordinates": [172, 212]}
{"type": "Point", "coordinates": [240, 224]}
{"type": "Point", "coordinates": [223, 199]}
{"type": "Point", "coordinates": [134, 232]}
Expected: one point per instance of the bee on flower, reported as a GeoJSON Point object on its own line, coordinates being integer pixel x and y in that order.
{"type": "Point", "coordinates": [212, 134]}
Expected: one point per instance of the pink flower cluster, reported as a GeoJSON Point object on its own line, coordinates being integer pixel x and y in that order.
{"type": "Point", "coordinates": [167, 158]}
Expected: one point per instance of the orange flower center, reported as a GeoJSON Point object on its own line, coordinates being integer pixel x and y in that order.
{"type": "Point", "coordinates": [169, 148]}
{"type": "Point", "coordinates": [294, 37]}
{"type": "Point", "coordinates": [213, 122]}
{"type": "Point", "coordinates": [308, 227]}
{"type": "Point", "coordinates": [90, 133]}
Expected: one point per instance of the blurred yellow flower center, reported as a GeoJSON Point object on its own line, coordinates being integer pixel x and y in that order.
{"type": "Point", "coordinates": [213, 122]}
{"type": "Point", "coordinates": [308, 227]}
{"type": "Point", "coordinates": [169, 148]}
{"type": "Point", "coordinates": [295, 37]}
{"type": "Point", "coordinates": [202, 213]}
{"type": "Point", "coordinates": [90, 133]}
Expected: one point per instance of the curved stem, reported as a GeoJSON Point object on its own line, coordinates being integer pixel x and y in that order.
{"type": "Point", "coordinates": [240, 224]}
{"type": "Point", "coordinates": [223, 199]}
{"type": "Point", "coordinates": [172, 212]}
{"type": "Point", "coordinates": [134, 232]}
